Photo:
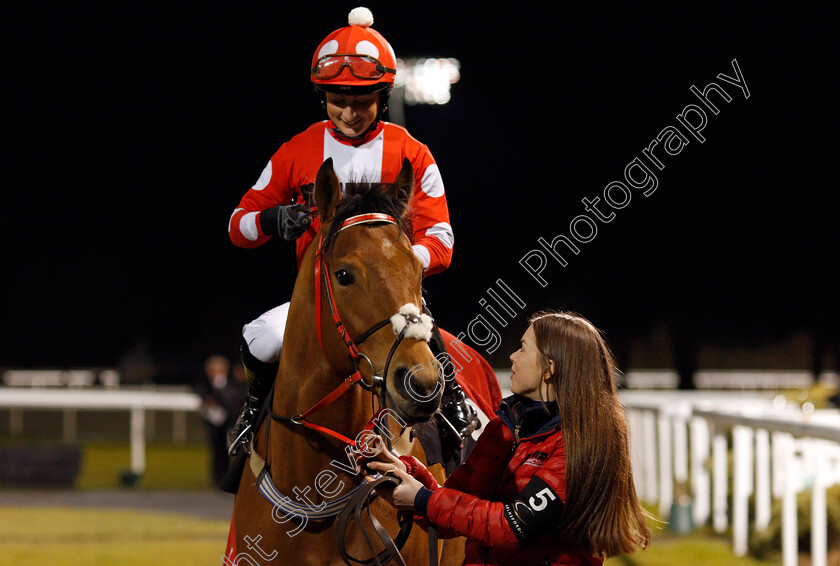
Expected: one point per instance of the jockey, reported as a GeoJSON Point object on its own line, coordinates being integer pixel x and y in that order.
{"type": "Point", "coordinates": [353, 71]}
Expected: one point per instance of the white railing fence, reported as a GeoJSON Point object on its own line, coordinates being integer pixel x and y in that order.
{"type": "Point", "coordinates": [136, 402]}
{"type": "Point", "coordinates": [681, 438]}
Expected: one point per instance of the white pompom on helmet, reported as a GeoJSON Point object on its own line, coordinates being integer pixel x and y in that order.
{"type": "Point", "coordinates": [355, 58]}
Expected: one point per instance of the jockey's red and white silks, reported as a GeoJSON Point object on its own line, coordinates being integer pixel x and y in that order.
{"type": "Point", "coordinates": [377, 158]}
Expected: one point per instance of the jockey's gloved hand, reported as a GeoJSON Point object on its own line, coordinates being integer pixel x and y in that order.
{"type": "Point", "coordinates": [458, 413]}
{"type": "Point", "coordinates": [286, 221]}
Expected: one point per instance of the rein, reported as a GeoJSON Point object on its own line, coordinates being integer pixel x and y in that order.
{"type": "Point", "coordinates": [353, 511]}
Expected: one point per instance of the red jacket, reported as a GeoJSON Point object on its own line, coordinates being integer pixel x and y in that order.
{"type": "Point", "coordinates": [508, 497]}
{"type": "Point", "coordinates": [376, 158]}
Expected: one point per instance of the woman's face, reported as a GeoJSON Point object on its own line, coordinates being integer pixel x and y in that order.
{"type": "Point", "coordinates": [352, 114]}
{"type": "Point", "coordinates": [527, 373]}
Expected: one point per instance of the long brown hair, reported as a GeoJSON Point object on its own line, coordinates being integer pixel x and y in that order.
{"type": "Point", "coordinates": [602, 510]}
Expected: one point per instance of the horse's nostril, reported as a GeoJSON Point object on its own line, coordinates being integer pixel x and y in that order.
{"type": "Point", "coordinates": [411, 382]}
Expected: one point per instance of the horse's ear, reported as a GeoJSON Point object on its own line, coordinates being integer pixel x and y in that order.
{"type": "Point", "coordinates": [327, 191]}
{"type": "Point", "coordinates": [404, 185]}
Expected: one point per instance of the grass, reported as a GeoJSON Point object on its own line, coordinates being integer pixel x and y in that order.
{"type": "Point", "coordinates": [703, 547]}
{"type": "Point", "coordinates": [167, 466]}
{"type": "Point", "coordinates": [92, 537]}
{"type": "Point", "coordinates": [76, 537]}
{"type": "Point", "coordinates": [85, 537]}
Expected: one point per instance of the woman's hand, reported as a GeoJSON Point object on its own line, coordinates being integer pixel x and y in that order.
{"type": "Point", "coordinates": [383, 456]}
{"type": "Point", "coordinates": [402, 496]}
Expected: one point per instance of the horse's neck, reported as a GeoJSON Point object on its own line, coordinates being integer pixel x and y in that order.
{"type": "Point", "coordinates": [298, 454]}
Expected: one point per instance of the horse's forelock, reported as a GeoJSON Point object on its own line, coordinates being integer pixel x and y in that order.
{"type": "Point", "coordinates": [365, 198]}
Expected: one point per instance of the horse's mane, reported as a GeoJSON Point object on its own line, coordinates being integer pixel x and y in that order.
{"type": "Point", "coordinates": [364, 198]}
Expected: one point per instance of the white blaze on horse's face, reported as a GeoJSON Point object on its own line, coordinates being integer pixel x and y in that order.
{"type": "Point", "coordinates": [387, 249]}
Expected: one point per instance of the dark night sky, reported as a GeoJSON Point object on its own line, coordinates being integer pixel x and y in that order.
{"type": "Point", "coordinates": [131, 132]}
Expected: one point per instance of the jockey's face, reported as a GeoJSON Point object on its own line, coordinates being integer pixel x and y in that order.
{"type": "Point", "coordinates": [352, 114]}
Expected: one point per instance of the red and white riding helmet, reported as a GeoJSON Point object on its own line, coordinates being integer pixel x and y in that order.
{"type": "Point", "coordinates": [354, 56]}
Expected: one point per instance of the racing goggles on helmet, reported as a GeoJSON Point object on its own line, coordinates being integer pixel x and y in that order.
{"type": "Point", "coordinates": [362, 67]}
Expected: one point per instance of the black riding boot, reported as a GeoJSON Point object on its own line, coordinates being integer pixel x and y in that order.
{"type": "Point", "coordinates": [457, 420]}
{"type": "Point", "coordinates": [259, 376]}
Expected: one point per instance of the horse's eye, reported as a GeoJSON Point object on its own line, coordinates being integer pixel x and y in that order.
{"type": "Point", "coordinates": [344, 277]}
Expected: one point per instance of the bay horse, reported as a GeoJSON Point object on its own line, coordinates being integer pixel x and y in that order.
{"type": "Point", "coordinates": [359, 282]}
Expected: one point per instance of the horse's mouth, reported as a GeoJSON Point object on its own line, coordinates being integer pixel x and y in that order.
{"type": "Point", "coordinates": [419, 415]}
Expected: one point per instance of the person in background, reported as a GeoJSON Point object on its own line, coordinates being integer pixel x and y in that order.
{"type": "Point", "coordinates": [221, 397]}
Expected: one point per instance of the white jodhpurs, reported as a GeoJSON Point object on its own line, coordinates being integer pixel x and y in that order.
{"type": "Point", "coordinates": [264, 335]}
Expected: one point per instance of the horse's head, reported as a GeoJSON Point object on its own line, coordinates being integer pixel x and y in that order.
{"type": "Point", "coordinates": [372, 288]}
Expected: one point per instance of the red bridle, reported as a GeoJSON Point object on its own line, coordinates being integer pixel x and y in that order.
{"type": "Point", "coordinates": [322, 274]}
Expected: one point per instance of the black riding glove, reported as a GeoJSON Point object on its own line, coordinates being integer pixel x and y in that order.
{"type": "Point", "coordinates": [286, 221]}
